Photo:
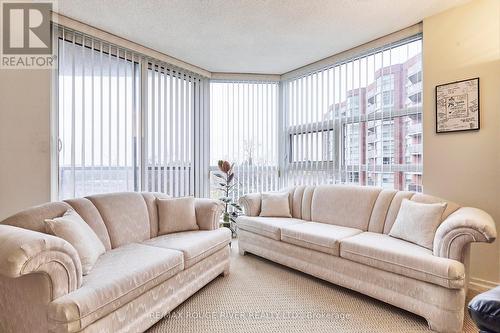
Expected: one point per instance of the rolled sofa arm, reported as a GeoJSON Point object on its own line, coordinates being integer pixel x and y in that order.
{"type": "Point", "coordinates": [23, 252]}
{"type": "Point", "coordinates": [464, 226]}
{"type": "Point", "coordinates": [208, 213]}
{"type": "Point", "coordinates": [251, 203]}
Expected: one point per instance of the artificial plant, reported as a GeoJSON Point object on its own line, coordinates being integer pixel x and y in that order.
{"type": "Point", "coordinates": [226, 182]}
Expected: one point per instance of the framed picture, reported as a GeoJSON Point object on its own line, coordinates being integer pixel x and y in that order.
{"type": "Point", "coordinates": [457, 106]}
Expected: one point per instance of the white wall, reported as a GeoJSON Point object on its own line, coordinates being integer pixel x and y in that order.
{"type": "Point", "coordinates": [462, 43]}
{"type": "Point", "coordinates": [24, 139]}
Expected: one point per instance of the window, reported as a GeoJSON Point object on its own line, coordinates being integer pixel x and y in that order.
{"type": "Point", "coordinates": [169, 131]}
{"type": "Point", "coordinates": [244, 130]}
{"type": "Point", "coordinates": [98, 115]}
{"type": "Point", "coordinates": [359, 121]}
{"type": "Point", "coordinates": [127, 122]}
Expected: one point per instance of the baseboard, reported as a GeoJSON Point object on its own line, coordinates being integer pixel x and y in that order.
{"type": "Point", "coordinates": [480, 285]}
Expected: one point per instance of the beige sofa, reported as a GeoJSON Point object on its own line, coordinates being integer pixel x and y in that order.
{"type": "Point", "coordinates": [139, 278]}
{"type": "Point", "coordinates": [340, 234]}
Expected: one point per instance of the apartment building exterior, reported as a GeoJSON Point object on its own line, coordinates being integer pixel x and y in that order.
{"type": "Point", "coordinates": [381, 128]}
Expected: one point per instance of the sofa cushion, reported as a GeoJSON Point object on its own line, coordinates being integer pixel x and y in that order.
{"type": "Point", "coordinates": [275, 205]}
{"type": "Point", "coordinates": [119, 276]}
{"type": "Point", "coordinates": [344, 205]}
{"type": "Point", "coordinates": [417, 222]}
{"type": "Point", "coordinates": [266, 226]}
{"type": "Point", "coordinates": [73, 229]}
{"type": "Point", "coordinates": [126, 217]}
{"type": "Point", "coordinates": [317, 236]}
{"type": "Point", "coordinates": [401, 257]}
{"type": "Point", "coordinates": [195, 245]}
{"type": "Point", "coordinates": [176, 214]}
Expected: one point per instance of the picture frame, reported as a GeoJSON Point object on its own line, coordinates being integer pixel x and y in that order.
{"type": "Point", "coordinates": [457, 106]}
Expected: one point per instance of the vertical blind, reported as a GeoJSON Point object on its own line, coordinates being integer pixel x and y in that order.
{"type": "Point", "coordinates": [359, 121]}
{"type": "Point", "coordinates": [173, 99]}
{"type": "Point", "coordinates": [244, 130]}
{"type": "Point", "coordinates": [98, 116]}
{"type": "Point", "coordinates": [127, 122]}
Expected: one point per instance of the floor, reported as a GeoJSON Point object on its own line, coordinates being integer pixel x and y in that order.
{"type": "Point", "coordinates": [261, 296]}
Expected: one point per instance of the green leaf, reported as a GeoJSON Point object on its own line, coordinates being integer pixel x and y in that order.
{"type": "Point", "coordinates": [235, 205]}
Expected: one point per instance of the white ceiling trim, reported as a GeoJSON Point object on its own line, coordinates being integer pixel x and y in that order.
{"type": "Point", "coordinates": [125, 43]}
{"type": "Point", "coordinates": [355, 51]}
{"type": "Point", "coordinates": [245, 77]}
{"type": "Point", "coordinates": [304, 70]}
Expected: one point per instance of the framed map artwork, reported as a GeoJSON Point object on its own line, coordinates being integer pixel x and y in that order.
{"type": "Point", "coordinates": [457, 106]}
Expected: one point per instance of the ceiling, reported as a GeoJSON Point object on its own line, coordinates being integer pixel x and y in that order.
{"type": "Point", "coordinates": [251, 36]}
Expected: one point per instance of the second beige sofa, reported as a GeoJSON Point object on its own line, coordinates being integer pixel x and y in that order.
{"type": "Point", "coordinates": [341, 234]}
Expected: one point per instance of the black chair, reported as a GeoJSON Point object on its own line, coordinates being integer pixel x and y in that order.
{"type": "Point", "coordinates": [484, 310]}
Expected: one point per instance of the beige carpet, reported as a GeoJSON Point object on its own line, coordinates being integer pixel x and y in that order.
{"type": "Point", "coordinates": [261, 296]}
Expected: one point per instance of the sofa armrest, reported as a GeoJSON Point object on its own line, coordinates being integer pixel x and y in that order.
{"type": "Point", "coordinates": [23, 252]}
{"type": "Point", "coordinates": [208, 213]}
{"type": "Point", "coordinates": [251, 204]}
{"type": "Point", "coordinates": [461, 228]}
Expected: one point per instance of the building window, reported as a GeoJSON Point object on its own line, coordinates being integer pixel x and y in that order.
{"type": "Point", "coordinates": [371, 108]}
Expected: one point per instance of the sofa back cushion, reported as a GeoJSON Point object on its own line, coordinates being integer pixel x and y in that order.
{"type": "Point", "coordinates": [297, 195]}
{"type": "Point", "coordinates": [33, 218]}
{"type": "Point", "coordinates": [380, 210]}
{"type": "Point", "coordinates": [306, 202]}
{"type": "Point", "coordinates": [451, 206]}
{"type": "Point", "coordinates": [89, 213]}
{"type": "Point", "coordinates": [125, 215]}
{"type": "Point", "coordinates": [344, 205]}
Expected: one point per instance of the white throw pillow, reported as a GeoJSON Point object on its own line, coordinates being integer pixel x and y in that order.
{"type": "Point", "coordinates": [275, 205]}
{"type": "Point", "coordinates": [73, 229]}
{"type": "Point", "coordinates": [176, 214]}
{"type": "Point", "coordinates": [417, 222]}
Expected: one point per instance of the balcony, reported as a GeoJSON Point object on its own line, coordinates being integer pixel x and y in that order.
{"type": "Point", "coordinates": [371, 138]}
{"type": "Point", "coordinates": [414, 129]}
{"type": "Point", "coordinates": [414, 72]}
{"type": "Point", "coordinates": [371, 154]}
{"type": "Point", "coordinates": [415, 149]}
{"type": "Point", "coordinates": [370, 108]}
{"type": "Point", "coordinates": [413, 89]}
{"type": "Point", "coordinates": [414, 188]}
